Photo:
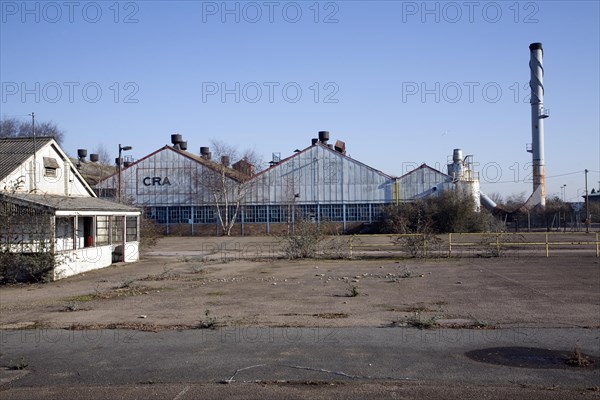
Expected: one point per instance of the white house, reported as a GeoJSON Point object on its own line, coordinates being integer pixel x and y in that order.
{"type": "Point", "coordinates": [46, 207]}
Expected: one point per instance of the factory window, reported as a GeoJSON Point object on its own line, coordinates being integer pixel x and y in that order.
{"type": "Point", "coordinates": [352, 212]}
{"type": "Point", "coordinates": [325, 211]}
{"type": "Point", "coordinates": [210, 215]}
{"type": "Point", "coordinates": [307, 212]}
{"type": "Point", "coordinates": [261, 214]}
{"type": "Point", "coordinates": [363, 212]}
{"type": "Point", "coordinates": [377, 211]}
{"type": "Point", "coordinates": [232, 210]}
{"type": "Point", "coordinates": [102, 230]}
{"type": "Point", "coordinates": [199, 215]}
{"type": "Point", "coordinates": [337, 212]}
{"type": "Point", "coordinates": [249, 214]}
{"type": "Point", "coordinates": [159, 214]}
{"type": "Point", "coordinates": [204, 215]}
{"type": "Point", "coordinates": [179, 215]}
{"type": "Point", "coordinates": [278, 213]}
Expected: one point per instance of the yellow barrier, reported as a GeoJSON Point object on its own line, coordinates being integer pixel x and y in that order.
{"type": "Point", "coordinates": [498, 244]}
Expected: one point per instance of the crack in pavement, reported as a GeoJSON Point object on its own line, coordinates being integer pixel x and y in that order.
{"type": "Point", "coordinates": [339, 373]}
{"type": "Point", "coordinates": [182, 393]}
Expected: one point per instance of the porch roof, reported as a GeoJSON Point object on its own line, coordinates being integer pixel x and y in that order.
{"type": "Point", "coordinates": [65, 203]}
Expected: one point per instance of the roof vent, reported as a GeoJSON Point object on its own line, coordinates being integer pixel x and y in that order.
{"type": "Point", "coordinates": [176, 139]}
{"type": "Point", "coordinates": [314, 141]}
{"type": "Point", "coordinates": [225, 161]}
{"type": "Point", "coordinates": [323, 136]}
{"type": "Point", "coordinates": [82, 154]}
{"type": "Point", "coordinates": [340, 146]}
{"type": "Point", "coordinates": [183, 145]}
{"type": "Point", "coordinates": [94, 158]}
{"type": "Point", "coordinates": [204, 151]}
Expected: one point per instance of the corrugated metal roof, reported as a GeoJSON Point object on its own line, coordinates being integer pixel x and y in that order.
{"type": "Point", "coordinates": [15, 151]}
{"type": "Point", "coordinates": [64, 203]}
{"type": "Point", "coordinates": [229, 172]}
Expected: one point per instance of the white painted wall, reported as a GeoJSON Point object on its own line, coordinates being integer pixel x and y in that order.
{"type": "Point", "coordinates": [73, 262]}
{"type": "Point", "coordinates": [67, 181]}
{"type": "Point", "coordinates": [132, 251]}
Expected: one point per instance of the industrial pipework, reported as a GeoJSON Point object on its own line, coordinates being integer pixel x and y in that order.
{"type": "Point", "coordinates": [538, 114]}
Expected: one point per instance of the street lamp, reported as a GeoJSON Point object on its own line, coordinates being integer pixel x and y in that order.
{"type": "Point", "coordinates": [119, 163]}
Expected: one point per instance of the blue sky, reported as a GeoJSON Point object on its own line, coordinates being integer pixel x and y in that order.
{"type": "Point", "coordinates": [402, 83]}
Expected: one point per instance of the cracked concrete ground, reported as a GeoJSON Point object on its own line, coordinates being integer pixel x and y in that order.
{"type": "Point", "coordinates": [176, 289]}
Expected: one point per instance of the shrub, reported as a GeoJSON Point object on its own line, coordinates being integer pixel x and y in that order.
{"type": "Point", "coordinates": [32, 267]}
{"type": "Point", "coordinates": [302, 241]}
{"type": "Point", "coordinates": [447, 212]}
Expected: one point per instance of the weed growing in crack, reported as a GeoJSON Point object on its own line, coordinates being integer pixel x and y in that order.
{"type": "Point", "coordinates": [416, 322]}
{"type": "Point", "coordinates": [407, 274]}
{"type": "Point", "coordinates": [21, 365]}
{"type": "Point", "coordinates": [577, 358]}
{"type": "Point", "coordinates": [208, 322]}
{"type": "Point", "coordinates": [352, 291]}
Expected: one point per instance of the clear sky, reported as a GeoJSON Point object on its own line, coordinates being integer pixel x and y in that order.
{"type": "Point", "coordinates": [401, 82]}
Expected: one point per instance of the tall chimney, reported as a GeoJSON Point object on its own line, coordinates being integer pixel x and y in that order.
{"type": "Point", "coordinates": [538, 114]}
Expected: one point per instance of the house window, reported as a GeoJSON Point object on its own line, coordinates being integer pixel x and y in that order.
{"type": "Point", "coordinates": [50, 167]}
{"type": "Point", "coordinates": [102, 230]}
{"type": "Point", "coordinates": [51, 172]}
{"type": "Point", "coordinates": [117, 229]}
{"type": "Point", "coordinates": [64, 233]}
{"type": "Point", "coordinates": [132, 229]}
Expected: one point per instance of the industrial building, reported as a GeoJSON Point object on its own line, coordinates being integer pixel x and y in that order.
{"type": "Point", "coordinates": [188, 192]}
{"type": "Point", "coordinates": [47, 207]}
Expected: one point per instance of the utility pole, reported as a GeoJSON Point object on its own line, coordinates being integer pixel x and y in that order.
{"type": "Point", "coordinates": [587, 205]}
{"type": "Point", "coordinates": [119, 162]}
{"type": "Point", "coordinates": [34, 152]}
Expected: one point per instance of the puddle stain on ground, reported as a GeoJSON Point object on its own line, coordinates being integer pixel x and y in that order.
{"type": "Point", "coordinates": [531, 357]}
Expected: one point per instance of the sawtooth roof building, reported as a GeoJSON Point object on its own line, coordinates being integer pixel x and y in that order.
{"type": "Point", "coordinates": [319, 183]}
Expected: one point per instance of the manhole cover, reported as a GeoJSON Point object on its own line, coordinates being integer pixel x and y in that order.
{"type": "Point", "coordinates": [530, 357]}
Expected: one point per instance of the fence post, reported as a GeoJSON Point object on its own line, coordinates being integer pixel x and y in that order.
{"type": "Point", "coordinates": [350, 244]}
{"type": "Point", "coordinates": [424, 245]}
{"type": "Point", "coordinates": [498, 244]}
{"type": "Point", "coordinates": [547, 253]}
{"type": "Point", "coordinates": [449, 245]}
{"type": "Point", "coordinates": [597, 246]}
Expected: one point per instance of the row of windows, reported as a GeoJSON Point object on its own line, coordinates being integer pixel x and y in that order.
{"type": "Point", "coordinates": [264, 214]}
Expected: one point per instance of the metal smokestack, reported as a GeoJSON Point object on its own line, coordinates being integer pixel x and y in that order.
{"type": "Point", "coordinates": [538, 114]}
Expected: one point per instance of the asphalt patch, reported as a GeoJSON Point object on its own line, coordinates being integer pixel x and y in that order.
{"type": "Point", "coordinates": [530, 357]}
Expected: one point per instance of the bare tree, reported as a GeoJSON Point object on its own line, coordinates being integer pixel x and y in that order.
{"type": "Point", "coordinates": [226, 186]}
{"type": "Point", "coordinates": [515, 201]}
{"type": "Point", "coordinates": [496, 197]}
{"type": "Point", "coordinates": [103, 154]}
{"type": "Point", "coordinates": [13, 127]}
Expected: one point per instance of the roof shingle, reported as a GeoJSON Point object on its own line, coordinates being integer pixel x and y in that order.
{"type": "Point", "coordinates": [15, 151]}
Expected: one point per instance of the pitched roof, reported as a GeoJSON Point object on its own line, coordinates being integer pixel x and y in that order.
{"type": "Point", "coordinates": [65, 203]}
{"type": "Point", "coordinates": [229, 172]}
{"type": "Point", "coordinates": [14, 151]}
{"type": "Point", "coordinates": [423, 166]}
{"type": "Point", "coordinates": [297, 153]}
